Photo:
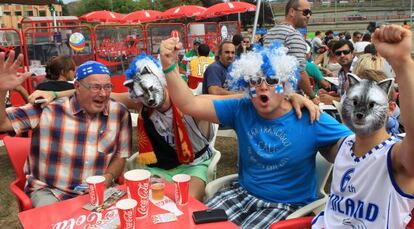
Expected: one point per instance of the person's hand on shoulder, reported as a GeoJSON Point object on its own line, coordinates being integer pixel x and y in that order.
{"type": "Point", "coordinates": [299, 101]}
{"type": "Point", "coordinates": [45, 96]}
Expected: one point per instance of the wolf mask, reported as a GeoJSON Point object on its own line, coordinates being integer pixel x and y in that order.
{"type": "Point", "coordinates": [364, 108]}
{"type": "Point", "coordinates": [145, 81]}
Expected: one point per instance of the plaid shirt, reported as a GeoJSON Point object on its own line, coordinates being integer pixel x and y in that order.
{"type": "Point", "coordinates": [68, 146]}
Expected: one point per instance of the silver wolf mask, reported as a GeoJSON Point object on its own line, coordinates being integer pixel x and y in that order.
{"type": "Point", "coordinates": [147, 83]}
{"type": "Point", "coordinates": [364, 107]}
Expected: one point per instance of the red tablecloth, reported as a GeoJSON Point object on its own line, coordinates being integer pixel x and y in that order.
{"type": "Point", "coordinates": [70, 214]}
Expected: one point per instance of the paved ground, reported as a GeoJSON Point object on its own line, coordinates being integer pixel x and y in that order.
{"type": "Point", "coordinates": [8, 204]}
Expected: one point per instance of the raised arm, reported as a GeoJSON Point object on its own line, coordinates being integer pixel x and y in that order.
{"type": "Point", "coordinates": [394, 43]}
{"type": "Point", "coordinates": [201, 108]}
{"type": "Point", "coordinates": [49, 95]}
{"type": "Point", "coordinates": [9, 79]}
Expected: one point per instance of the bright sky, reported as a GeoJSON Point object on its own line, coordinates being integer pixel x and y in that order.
{"type": "Point", "coordinates": [67, 1]}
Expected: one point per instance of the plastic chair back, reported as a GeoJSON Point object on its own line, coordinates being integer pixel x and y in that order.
{"type": "Point", "coordinates": [323, 170]}
{"type": "Point", "coordinates": [18, 148]}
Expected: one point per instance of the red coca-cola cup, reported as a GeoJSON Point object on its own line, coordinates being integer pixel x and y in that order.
{"type": "Point", "coordinates": [126, 212]}
{"type": "Point", "coordinates": [137, 182]}
{"type": "Point", "coordinates": [96, 185]}
{"type": "Point", "coordinates": [181, 183]}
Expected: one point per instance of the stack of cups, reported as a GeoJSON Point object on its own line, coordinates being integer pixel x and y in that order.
{"type": "Point", "coordinates": [137, 182]}
{"type": "Point", "coordinates": [126, 212]}
{"type": "Point", "coordinates": [181, 183]}
{"type": "Point", "coordinates": [96, 185]}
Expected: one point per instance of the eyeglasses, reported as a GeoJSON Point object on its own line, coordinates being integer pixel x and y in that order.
{"type": "Point", "coordinates": [246, 41]}
{"type": "Point", "coordinates": [305, 12]}
{"type": "Point", "coordinates": [257, 81]}
{"type": "Point", "coordinates": [340, 52]}
{"type": "Point", "coordinates": [95, 88]}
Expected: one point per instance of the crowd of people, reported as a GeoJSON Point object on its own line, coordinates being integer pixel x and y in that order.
{"type": "Point", "coordinates": [269, 94]}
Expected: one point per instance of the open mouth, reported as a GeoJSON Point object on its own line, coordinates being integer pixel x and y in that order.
{"type": "Point", "coordinates": [99, 102]}
{"type": "Point", "coordinates": [264, 98]}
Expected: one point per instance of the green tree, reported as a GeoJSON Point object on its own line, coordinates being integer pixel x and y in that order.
{"type": "Point", "coordinates": [163, 5]}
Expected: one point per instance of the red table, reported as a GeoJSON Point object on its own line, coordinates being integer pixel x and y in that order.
{"type": "Point", "coordinates": [70, 214]}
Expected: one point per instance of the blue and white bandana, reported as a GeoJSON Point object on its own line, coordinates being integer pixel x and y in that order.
{"type": "Point", "coordinates": [90, 67]}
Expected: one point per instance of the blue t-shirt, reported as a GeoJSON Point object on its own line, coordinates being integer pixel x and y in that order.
{"type": "Point", "coordinates": [277, 156]}
{"type": "Point", "coordinates": [215, 75]}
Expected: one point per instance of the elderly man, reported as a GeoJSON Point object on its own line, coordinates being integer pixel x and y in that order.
{"type": "Point", "coordinates": [297, 14]}
{"type": "Point", "coordinates": [73, 137]}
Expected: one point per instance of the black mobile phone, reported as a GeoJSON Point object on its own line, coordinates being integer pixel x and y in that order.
{"type": "Point", "coordinates": [209, 216]}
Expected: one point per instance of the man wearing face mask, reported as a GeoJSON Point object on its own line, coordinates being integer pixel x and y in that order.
{"type": "Point", "coordinates": [158, 124]}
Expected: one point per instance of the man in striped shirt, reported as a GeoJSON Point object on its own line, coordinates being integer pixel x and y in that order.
{"type": "Point", "coordinates": [297, 14]}
{"type": "Point", "coordinates": [73, 137]}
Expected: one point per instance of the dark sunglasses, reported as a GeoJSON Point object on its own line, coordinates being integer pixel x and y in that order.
{"type": "Point", "coordinates": [340, 52]}
{"type": "Point", "coordinates": [305, 12]}
{"type": "Point", "coordinates": [257, 81]}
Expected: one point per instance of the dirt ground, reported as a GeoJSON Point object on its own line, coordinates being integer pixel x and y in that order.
{"type": "Point", "coordinates": [8, 204]}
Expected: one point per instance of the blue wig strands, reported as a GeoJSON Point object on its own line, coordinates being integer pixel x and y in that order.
{"type": "Point", "coordinates": [270, 62]}
{"type": "Point", "coordinates": [141, 61]}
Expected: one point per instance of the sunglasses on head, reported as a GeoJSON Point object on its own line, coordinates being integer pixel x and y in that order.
{"type": "Point", "coordinates": [340, 52]}
{"type": "Point", "coordinates": [257, 81]}
{"type": "Point", "coordinates": [305, 12]}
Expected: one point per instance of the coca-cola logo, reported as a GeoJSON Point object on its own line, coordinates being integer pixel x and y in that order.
{"type": "Point", "coordinates": [129, 218]}
{"type": "Point", "coordinates": [177, 194]}
{"type": "Point", "coordinates": [92, 194]}
{"type": "Point", "coordinates": [92, 220]}
{"type": "Point", "coordinates": [143, 192]}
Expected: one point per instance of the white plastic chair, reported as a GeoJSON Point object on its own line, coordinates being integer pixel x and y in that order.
{"type": "Point", "coordinates": [323, 169]}
{"type": "Point", "coordinates": [198, 90]}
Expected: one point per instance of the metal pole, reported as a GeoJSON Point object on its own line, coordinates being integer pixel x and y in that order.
{"type": "Point", "coordinates": [335, 12]}
{"type": "Point", "coordinates": [238, 15]}
{"type": "Point", "coordinates": [411, 12]}
{"type": "Point", "coordinates": [256, 18]}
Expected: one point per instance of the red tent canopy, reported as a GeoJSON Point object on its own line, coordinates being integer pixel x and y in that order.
{"type": "Point", "coordinates": [142, 16]}
{"type": "Point", "coordinates": [102, 16]}
{"type": "Point", "coordinates": [226, 8]}
{"type": "Point", "coordinates": [183, 11]}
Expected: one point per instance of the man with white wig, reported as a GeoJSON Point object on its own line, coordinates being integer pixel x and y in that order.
{"type": "Point", "coordinates": [276, 149]}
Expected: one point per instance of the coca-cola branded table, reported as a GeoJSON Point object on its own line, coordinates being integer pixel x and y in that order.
{"type": "Point", "coordinates": [70, 214]}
